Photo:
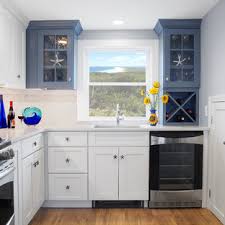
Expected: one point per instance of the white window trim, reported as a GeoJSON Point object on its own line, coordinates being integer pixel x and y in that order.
{"type": "Point", "coordinates": [85, 46]}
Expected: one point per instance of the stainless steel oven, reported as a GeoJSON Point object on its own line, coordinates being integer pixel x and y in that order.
{"type": "Point", "coordinates": [176, 160]}
{"type": "Point", "coordinates": [6, 186]}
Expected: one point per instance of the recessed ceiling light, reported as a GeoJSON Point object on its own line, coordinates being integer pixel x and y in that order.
{"type": "Point", "coordinates": [118, 22]}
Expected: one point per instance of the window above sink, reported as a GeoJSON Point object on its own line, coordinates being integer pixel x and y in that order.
{"type": "Point", "coordinates": [114, 74]}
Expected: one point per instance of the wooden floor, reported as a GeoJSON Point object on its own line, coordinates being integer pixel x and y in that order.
{"type": "Point", "coordinates": [124, 217]}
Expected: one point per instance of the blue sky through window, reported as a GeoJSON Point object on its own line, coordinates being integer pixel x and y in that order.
{"type": "Point", "coordinates": [117, 58]}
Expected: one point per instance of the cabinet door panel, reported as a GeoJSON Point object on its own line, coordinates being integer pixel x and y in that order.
{"type": "Point", "coordinates": [56, 59]}
{"type": "Point", "coordinates": [217, 168]}
{"type": "Point", "coordinates": [182, 58]}
{"type": "Point", "coordinates": [38, 179]}
{"type": "Point", "coordinates": [133, 173]}
{"type": "Point", "coordinates": [27, 187]}
{"type": "Point", "coordinates": [103, 173]}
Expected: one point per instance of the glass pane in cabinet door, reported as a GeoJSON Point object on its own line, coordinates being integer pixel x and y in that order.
{"type": "Point", "coordinates": [188, 75]}
{"type": "Point", "coordinates": [61, 74]}
{"type": "Point", "coordinates": [175, 41]}
{"type": "Point", "coordinates": [188, 41]}
{"type": "Point", "coordinates": [175, 74]}
{"type": "Point", "coordinates": [61, 41]}
{"type": "Point", "coordinates": [49, 75]}
{"type": "Point", "coordinates": [175, 58]}
{"type": "Point", "coordinates": [61, 58]}
{"type": "Point", "coordinates": [49, 41]}
{"type": "Point", "coordinates": [189, 58]}
{"type": "Point", "coordinates": [49, 58]}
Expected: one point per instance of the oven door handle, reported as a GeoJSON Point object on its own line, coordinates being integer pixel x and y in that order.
{"type": "Point", "coordinates": [7, 177]}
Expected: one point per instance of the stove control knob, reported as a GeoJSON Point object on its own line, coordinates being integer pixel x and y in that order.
{"type": "Point", "coordinates": [11, 153]}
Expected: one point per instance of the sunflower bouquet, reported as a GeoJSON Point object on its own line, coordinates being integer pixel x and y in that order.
{"type": "Point", "coordinates": [151, 99]}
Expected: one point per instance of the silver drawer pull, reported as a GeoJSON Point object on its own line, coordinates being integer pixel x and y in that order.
{"type": "Point", "coordinates": [67, 138]}
{"type": "Point", "coordinates": [35, 143]}
{"type": "Point", "coordinates": [67, 187]}
{"type": "Point", "coordinates": [115, 156]}
{"type": "Point", "coordinates": [224, 142]}
{"type": "Point", "coordinates": [67, 160]}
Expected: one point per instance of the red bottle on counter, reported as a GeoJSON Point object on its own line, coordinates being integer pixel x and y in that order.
{"type": "Point", "coordinates": [11, 116]}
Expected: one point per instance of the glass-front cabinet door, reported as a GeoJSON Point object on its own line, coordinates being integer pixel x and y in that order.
{"type": "Point", "coordinates": [56, 59]}
{"type": "Point", "coordinates": [182, 67]}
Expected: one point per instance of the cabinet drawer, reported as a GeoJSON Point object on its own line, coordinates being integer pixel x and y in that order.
{"type": "Point", "coordinates": [67, 186]}
{"type": "Point", "coordinates": [119, 139]}
{"type": "Point", "coordinates": [67, 160]}
{"type": "Point", "coordinates": [32, 144]}
{"type": "Point", "coordinates": [67, 139]}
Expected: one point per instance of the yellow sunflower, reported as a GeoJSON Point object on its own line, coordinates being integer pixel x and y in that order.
{"type": "Point", "coordinates": [165, 99]}
{"type": "Point", "coordinates": [156, 84]}
{"type": "Point", "coordinates": [147, 100]}
{"type": "Point", "coordinates": [142, 92]}
{"type": "Point", "coordinates": [154, 91]}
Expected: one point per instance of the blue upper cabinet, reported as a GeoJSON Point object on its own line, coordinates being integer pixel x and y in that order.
{"type": "Point", "coordinates": [180, 52]}
{"type": "Point", "coordinates": [51, 54]}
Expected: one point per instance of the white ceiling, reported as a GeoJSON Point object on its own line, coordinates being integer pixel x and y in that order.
{"type": "Point", "coordinates": [99, 14]}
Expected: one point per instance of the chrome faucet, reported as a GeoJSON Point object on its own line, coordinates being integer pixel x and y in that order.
{"type": "Point", "coordinates": [119, 115]}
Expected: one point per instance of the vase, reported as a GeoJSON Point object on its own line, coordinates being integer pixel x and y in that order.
{"type": "Point", "coordinates": [153, 119]}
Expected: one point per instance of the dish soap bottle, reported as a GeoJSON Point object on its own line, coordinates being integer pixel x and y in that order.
{"type": "Point", "coordinates": [11, 116]}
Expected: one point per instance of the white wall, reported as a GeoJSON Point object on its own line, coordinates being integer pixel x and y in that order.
{"type": "Point", "coordinates": [213, 56]}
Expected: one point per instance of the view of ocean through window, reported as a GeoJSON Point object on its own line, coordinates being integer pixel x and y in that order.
{"type": "Point", "coordinates": [116, 77]}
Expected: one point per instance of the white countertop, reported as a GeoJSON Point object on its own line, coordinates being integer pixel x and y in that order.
{"type": "Point", "coordinates": [21, 133]}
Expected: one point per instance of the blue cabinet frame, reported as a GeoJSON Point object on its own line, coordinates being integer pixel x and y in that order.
{"type": "Point", "coordinates": [166, 28]}
{"type": "Point", "coordinates": [35, 50]}
{"type": "Point", "coordinates": [180, 79]}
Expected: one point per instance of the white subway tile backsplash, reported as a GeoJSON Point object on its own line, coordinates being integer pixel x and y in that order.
{"type": "Point", "coordinates": [59, 108]}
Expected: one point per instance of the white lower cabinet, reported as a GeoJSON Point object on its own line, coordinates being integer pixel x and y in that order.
{"type": "Point", "coordinates": [32, 185]}
{"type": "Point", "coordinates": [103, 173]}
{"type": "Point", "coordinates": [27, 190]}
{"type": "Point", "coordinates": [133, 173]}
{"type": "Point", "coordinates": [67, 160]}
{"type": "Point", "coordinates": [217, 161]}
{"type": "Point", "coordinates": [118, 173]}
{"type": "Point", "coordinates": [67, 186]}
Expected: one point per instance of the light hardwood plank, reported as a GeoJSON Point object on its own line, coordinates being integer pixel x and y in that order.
{"type": "Point", "coordinates": [125, 217]}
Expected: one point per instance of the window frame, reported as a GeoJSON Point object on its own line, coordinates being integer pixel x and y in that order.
{"type": "Point", "coordinates": [148, 46]}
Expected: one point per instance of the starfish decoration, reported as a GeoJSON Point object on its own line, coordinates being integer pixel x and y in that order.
{"type": "Point", "coordinates": [180, 61]}
{"type": "Point", "coordinates": [57, 61]}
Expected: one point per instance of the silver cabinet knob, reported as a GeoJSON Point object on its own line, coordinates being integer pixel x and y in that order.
{"type": "Point", "coordinates": [67, 160]}
{"type": "Point", "coordinates": [115, 156]}
{"type": "Point", "coordinates": [35, 143]}
{"type": "Point", "coordinates": [122, 156]}
{"type": "Point", "coordinates": [67, 187]}
{"type": "Point", "coordinates": [69, 79]}
{"type": "Point", "coordinates": [224, 142]}
{"type": "Point", "coordinates": [18, 76]}
{"type": "Point", "coordinates": [167, 78]}
{"type": "Point", "coordinates": [67, 138]}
